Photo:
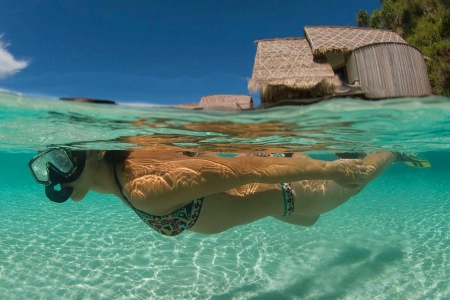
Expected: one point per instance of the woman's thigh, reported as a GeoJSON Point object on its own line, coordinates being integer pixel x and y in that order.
{"type": "Point", "coordinates": [315, 197]}
{"type": "Point", "coordinates": [238, 207]}
{"type": "Point", "coordinates": [252, 202]}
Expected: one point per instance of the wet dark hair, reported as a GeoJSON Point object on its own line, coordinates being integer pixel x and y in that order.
{"type": "Point", "coordinates": [115, 157]}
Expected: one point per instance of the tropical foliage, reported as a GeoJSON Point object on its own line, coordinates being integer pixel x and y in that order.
{"type": "Point", "coordinates": [424, 24]}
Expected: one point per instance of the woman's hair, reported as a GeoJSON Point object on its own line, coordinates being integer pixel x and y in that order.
{"type": "Point", "coordinates": [115, 157]}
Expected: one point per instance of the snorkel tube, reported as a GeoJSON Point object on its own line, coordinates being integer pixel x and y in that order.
{"type": "Point", "coordinates": [79, 159]}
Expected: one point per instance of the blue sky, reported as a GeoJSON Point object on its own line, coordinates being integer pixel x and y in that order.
{"type": "Point", "coordinates": [163, 52]}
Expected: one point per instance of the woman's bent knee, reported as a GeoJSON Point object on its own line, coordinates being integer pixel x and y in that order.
{"type": "Point", "coordinates": [301, 220]}
{"type": "Point", "coordinates": [310, 220]}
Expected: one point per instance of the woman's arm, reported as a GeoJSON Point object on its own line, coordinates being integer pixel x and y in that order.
{"type": "Point", "coordinates": [159, 183]}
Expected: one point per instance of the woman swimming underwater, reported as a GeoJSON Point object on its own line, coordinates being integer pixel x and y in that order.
{"type": "Point", "coordinates": [174, 191]}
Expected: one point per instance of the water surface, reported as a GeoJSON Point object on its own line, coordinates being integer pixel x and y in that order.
{"type": "Point", "coordinates": [391, 241]}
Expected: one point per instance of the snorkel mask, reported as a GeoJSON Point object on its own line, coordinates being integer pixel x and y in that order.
{"type": "Point", "coordinates": [57, 166]}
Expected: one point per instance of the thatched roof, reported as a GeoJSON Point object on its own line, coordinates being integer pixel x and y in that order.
{"type": "Point", "coordinates": [233, 102]}
{"type": "Point", "coordinates": [325, 39]}
{"type": "Point", "coordinates": [288, 62]}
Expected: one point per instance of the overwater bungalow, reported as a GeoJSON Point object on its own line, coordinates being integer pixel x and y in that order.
{"type": "Point", "coordinates": [221, 102]}
{"type": "Point", "coordinates": [334, 61]}
{"type": "Point", "coordinates": [227, 102]}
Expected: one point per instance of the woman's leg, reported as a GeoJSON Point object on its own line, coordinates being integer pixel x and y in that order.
{"type": "Point", "coordinates": [245, 205]}
{"type": "Point", "coordinates": [315, 197]}
{"type": "Point", "coordinates": [240, 206]}
{"type": "Point", "coordinates": [252, 202]}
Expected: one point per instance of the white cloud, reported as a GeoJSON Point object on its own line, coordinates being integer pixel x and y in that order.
{"type": "Point", "coordinates": [8, 64]}
{"type": "Point", "coordinates": [10, 92]}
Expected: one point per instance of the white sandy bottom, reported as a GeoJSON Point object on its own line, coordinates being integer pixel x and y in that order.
{"type": "Point", "coordinates": [390, 242]}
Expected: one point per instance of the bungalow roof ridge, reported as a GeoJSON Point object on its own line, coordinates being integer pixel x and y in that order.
{"type": "Point", "coordinates": [276, 39]}
{"type": "Point", "coordinates": [308, 38]}
{"type": "Point", "coordinates": [347, 27]}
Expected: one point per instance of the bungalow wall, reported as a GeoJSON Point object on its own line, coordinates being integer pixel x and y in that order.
{"type": "Point", "coordinates": [352, 71]}
{"type": "Point", "coordinates": [335, 59]}
{"type": "Point", "coordinates": [345, 68]}
{"type": "Point", "coordinates": [389, 70]}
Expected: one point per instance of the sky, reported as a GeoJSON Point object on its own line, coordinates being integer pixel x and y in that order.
{"type": "Point", "coordinates": [146, 51]}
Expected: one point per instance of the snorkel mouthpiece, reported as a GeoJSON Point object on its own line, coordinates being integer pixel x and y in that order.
{"type": "Point", "coordinates": [58, 196]}
{"type": "Point", "coordinates": [54, 195]}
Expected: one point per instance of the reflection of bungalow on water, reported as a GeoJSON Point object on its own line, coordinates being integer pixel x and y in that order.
{"type": "Point", "coordinates": [338, 61]}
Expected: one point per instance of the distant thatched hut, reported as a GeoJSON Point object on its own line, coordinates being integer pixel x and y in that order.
{"type": "Point", "coordinates": [227, 102]}
{"type": "Point", "coordinates": [191, 106]}
{"type": "Point", "coordinates": [220, 102]}
{"type": "Point", "coordinates": [377, 63]}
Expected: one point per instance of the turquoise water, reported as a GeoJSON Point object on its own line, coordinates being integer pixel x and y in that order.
{"type": "Point", "coordinates": [392, 241]}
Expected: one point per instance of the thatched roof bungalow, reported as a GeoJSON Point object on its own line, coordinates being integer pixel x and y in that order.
{"type": "Point", "coordinates": [287, 69]}
{"type": "Point", "coordinates": [338, 61]}
{"type": "Point", "coordinates": [220, 102]}
{"type": "Point", "coordinates": [190, 106]}
{"type": "Point", "coordinates": [227, 102]}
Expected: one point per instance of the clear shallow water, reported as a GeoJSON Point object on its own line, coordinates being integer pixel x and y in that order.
{"type": "Point", "coordinates": [392, 241]}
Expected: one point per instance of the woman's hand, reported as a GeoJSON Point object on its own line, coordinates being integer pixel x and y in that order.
{"type": "Point", "coordinates": [349, 173]}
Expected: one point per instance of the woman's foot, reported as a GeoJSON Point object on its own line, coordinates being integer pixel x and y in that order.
{"type": "Point", "coordinates": [413, 161]}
